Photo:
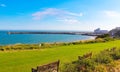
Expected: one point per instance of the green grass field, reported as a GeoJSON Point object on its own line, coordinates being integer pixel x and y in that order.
{"type": "Point", "coordinates": [23, 61]}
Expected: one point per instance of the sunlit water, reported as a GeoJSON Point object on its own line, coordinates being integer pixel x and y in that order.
{"type": "Point", "coordinates": [38, 38]}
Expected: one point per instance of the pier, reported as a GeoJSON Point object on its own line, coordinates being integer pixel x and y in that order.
{"type": "Point", "coordinates": [70, 33]}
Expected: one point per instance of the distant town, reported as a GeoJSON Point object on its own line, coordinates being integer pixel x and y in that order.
{"type": "Point", "coordinates": [111, 32]}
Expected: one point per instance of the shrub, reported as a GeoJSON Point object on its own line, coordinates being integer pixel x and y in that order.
{"type": "Point", "coordinates": [85, 65]}
{"type": "Point", "coordinates": [89, 64]}
{"type": "Point", "coordinates": [77, 42]}
{"type": "Point", "coordinates": [46, 45]}
{"type": "Point", "coordinates": [1, 48]}
{"type": "Point", "coordinates": [90, 41]}
{"type": "Point", "coordinates": [108, 39]}
{"type": "Point", "coordinates": [100, 68]}
{"type": "Point", "coordinates": [116, 54]}
{"type": "Point", "coordinates": [103, 36]}
{"type": "Point", "coordinates": [8, 47]}
{"type": "Point", "coordinates": [58, 44]}
{"type": "Point", "coordinates": [69, 68]}
{"type": "Point", "coordinates": [103, 58]}
{"type": "Point", "coordinates": [100, 40]}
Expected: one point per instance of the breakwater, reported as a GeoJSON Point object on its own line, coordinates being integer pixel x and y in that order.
{"type": "Point", "coordinates": [71, 33]}
{"type": "Point", "coordinates": [42, 33]}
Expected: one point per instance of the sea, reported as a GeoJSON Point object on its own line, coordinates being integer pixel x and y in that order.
{"type": "Point", "coordinates": [7, 39]}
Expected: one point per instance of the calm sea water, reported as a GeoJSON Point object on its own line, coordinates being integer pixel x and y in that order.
{"type": "Point", "coordinates": [37, 38]}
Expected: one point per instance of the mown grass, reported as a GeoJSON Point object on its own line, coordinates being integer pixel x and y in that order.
{"type": "Point", "coordinates": [23, 61]}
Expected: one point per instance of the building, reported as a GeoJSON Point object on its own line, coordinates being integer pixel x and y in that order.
{"type": "Point", "coordinates": [99, 31]}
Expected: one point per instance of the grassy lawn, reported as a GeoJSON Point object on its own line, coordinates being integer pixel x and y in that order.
{"type": "Point", "coordinates": [23, 61]}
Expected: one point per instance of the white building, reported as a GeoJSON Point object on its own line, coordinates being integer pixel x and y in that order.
{"type": "Point", "coordinates": [99, 31]}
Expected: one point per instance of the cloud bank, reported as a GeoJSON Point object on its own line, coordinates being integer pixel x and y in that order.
{"type": "Point", "coordinates": [112, 13]}
{"type": "Point", "coordinates": [54, 12]}
{"type": "Point", "coordinates": [62, 15]}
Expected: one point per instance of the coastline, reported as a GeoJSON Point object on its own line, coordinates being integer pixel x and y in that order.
{"type": "Point", "coordinates": [11, 39]}
{"type": "Point", "coordinates": [90, 38]}
{"type": "Point", "coordinates": [24, 46]}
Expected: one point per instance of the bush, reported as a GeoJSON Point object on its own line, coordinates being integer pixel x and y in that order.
{"type": "Point", "coordinates": [1, 48]}
{"type": "Point", "coordinates": [46, 45]}
{"type": "Point", "coordinates": [8, 47]}
{"type": "Point", "coordinates": [89, 64]}
{"type": "Point", "coordinates": [100, 40]}
{"type": "Point", "coordinates": [90, 41]}
{"type": "Point", "coordinates": [100, 69]}
{"type": "Point", "coordinates": [108, 39]}
{"type": "Point", "coordinates": [103, 36]}
{"type": "Point", "coordinates": [103, 58]}
{"type": "Point", "coordinates": [69, 68]}
{"type": "Point", "coordinates": [116, 55]}
{"type": "Point", "coordinates": [85, 65]}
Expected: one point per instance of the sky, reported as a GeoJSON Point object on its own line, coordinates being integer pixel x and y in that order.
{"type": "Point", "coordinates": [79, 15]}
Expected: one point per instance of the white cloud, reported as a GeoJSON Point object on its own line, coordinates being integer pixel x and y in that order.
{"type": "Point", "coordinates": [70, 21]}
{"type": "Point", "coordinates": [75, 14]}
{"type": "Point", "coordinates": [55, 12]}
{"type": "Point", "coordinates": [112, 13]}
{"type": "Point", "coordinates": [2, 5]}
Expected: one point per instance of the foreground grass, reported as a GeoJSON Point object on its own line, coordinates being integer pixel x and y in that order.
{"type": "Point", "coordinates": [23, 61]}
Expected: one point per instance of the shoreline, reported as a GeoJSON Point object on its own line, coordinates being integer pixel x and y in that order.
{"type": "Point", "coordinates": [91, 38]}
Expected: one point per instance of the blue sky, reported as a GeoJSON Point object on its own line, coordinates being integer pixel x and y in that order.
{"type": "Point", "coordinates": [59, 14]}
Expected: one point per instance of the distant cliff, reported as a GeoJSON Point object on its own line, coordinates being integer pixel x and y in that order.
{"type": "Point", "coordinates": [115, 33]}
